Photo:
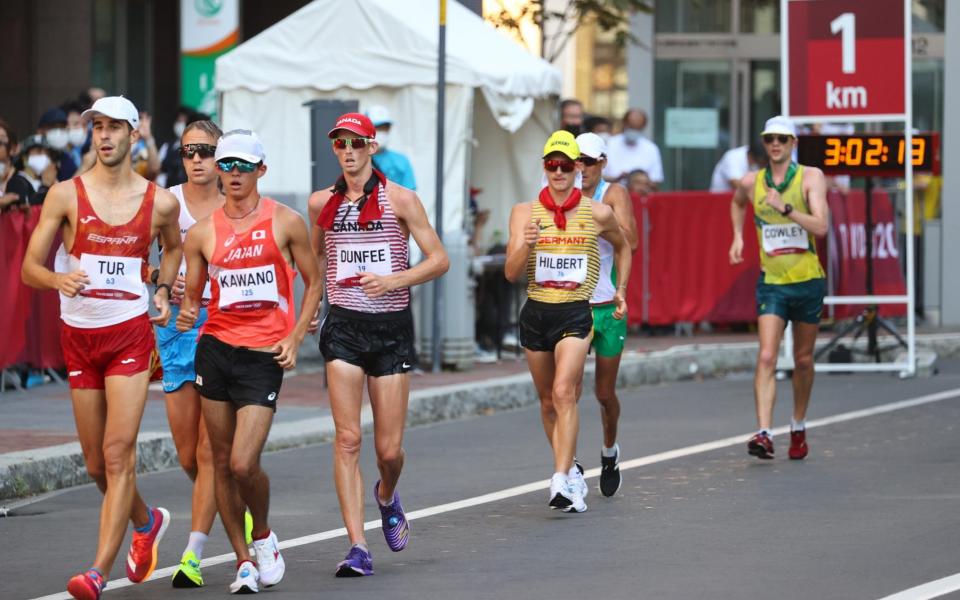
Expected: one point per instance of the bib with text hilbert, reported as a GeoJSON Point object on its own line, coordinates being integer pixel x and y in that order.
{"type": "Point", "coordinates": [254, 288]}
{"type": "Point", "coordinates": [564, 271]}
{"type": "Point", "coordinates": [112, 277]}
{"type": "Point", "coordinates": [362, 258]}
{"type": "Point", "coordinates": [786, 238]}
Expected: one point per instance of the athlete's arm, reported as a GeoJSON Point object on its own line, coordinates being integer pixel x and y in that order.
{"type": "Point", "coordinates": [167, 210]}
{"type": "Point", "coordinates": [815, 188]}
{"type": "Point", "coordinates": [410, 210]}
{"type": "Point", "coordinates": [196, 273]}
{"type": "Point", "coordinates": [523, 238]}
{"type": "Point", "coordinates": [315, 204]}
{"type": "Point", "coordinates": [609, 229]}
{"type": "Point", "coordinates": [618, 198]}
{"type": "Point", "coordinates": [738, 212]}
{"type": "Point", "coordinates": [55, 211]}
{"type": "Point", "coordinates": [298, 243]}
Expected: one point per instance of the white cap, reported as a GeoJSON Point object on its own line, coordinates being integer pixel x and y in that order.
{"type": "Point", "coordinates": [379, 115]}
{"type": "Point", "coordinates": [591, 145]}
{"type": "Point", "coordinates": [115, 107]}
{"type": "Point", "coordinates": [240, 143]}
{"type": "Point", "coordinates": [780, 124]}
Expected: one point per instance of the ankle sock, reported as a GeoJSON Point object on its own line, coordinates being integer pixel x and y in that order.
{"type": "Point", "coordinates": [798, 425]}
{"type": "Point", "coordinates": [146, 528]}
{"type": "Point", "coordinates": [196, 542]}
{"type": "Point", "coordinates": [610, 452]}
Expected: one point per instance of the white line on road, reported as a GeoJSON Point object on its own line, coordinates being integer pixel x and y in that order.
{"type": "Point", "coordinates": [927, 591]}
{"type": "Point", "coordinates": [542, 485]}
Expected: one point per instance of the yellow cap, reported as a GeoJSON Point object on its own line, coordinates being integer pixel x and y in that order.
{"type": "Point", "coordinates": [564, 142]}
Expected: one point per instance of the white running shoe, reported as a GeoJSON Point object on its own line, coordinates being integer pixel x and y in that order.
{"type": "Point", "coordinates": [575, 477]}
{"type": "Point", "coordinates": [247, 579]}
{"type": "Point", "coordinates": [269, 560]}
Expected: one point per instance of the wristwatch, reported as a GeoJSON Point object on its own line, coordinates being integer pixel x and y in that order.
{"type": "Point", "coordinates": [165, 285]}
{"type": "Point", "coordinates": [787, 209]}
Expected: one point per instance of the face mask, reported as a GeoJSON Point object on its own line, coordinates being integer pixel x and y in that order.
{"type": "Point", "coordinates": [38, 163]}
{"type": "Point", "coordinates": [605, 136]}
{"type": "Point", "coordinates": [3, 169]}
{"type": "Point", "coordinates": [58, 138]}
{"type": "Point", "coordinates": [632, 136]}
{"type": "Point", "coordinates": [383, 138]}
{"type": "Point", "coordinates": [178, 128]}
{"type": "Point", "coordinates": [574, 129]}
{"type": "Point", "coordinates": [77, 136]}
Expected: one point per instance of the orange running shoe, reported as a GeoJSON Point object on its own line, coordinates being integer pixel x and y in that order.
{"type": "Point", "coordinates": [142, 559]}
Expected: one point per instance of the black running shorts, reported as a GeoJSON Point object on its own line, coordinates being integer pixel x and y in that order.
{"type": "Point", "coordinates": [543, 324]}
{"type": "Point", "coordinates": [379, 343]}
{"type": "Point", "coordinates": [237, 375]}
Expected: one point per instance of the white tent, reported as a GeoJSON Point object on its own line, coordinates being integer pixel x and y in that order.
{"type": "Point", "coordinates": [385, 52]}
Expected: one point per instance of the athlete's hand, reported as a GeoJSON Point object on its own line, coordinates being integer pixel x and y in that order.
{"type": "Point", "coordinates": [774, 200]}
{"type": "Point", "coordinates": [179, 287]}
{"type": "Point", "coordinates": [621, 301]}
{"type": "Point", "coordinates": [286, 351]}
{"type": "Point", "coordinates": [186, 318]}
{"type": "Point", "coordinates": [531, 233]}
{"type": "Point", "coordinates": [374, 285]}
{"type": "Point", "coordinates": [162, 302]}
{"type": "Point", "coordinates": [736, 250]}
{"type": "Point", "coordinates": [70, 284]}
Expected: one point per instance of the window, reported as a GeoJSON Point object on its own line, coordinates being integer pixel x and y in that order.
{"type": "Point", "coordinates": [693, 16]}
{"type": "Point", "coordinates": [760, 16]}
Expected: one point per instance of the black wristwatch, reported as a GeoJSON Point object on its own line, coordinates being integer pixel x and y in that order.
{"type": "Point", "coordinates": [154, 276]}
{"type": "Point", "coordinates": [165, 285]}
{"type": "Point", "coordinates": [787, 209]}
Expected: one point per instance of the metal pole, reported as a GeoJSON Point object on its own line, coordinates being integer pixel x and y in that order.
{"type": "Point", "coordinates": [438, 220]}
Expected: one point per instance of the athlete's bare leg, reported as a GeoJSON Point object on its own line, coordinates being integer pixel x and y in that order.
{"type": "Point", "coordinates": [388, 399]}
{"type": "Point", "coordinates": [346, 396]}
{"type": "Point", "coordinates": [220, 418]}
{"type": "Point", "coordinates": [765, 379]}
{"type": "Point", "coordinates": [193, 450]}
{"type": "Point", "coordinates": [570, 355]}
{"type": "Point", "coordinates": [542, 369]}
{"type": "Point", "coordinates": [606, 390]}
{"type": "Point", "coordinates": [804, 339]}
{"type": "Point", "coordinates": [253, 426]}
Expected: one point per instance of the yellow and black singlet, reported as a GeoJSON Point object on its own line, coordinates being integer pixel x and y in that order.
{"type": "Point", "coordinates": [565, 264]}
{"type": "Point", "coordinates": [788, 252]}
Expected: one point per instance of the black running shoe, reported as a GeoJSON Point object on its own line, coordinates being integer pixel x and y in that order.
{"type": "Point", "coordinates": [610, 478]}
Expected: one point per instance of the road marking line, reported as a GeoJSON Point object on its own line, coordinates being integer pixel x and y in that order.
{"type": "Point", "coordinates": [927, 591]}
{"type": "Point", "coordinates": [543, 485]}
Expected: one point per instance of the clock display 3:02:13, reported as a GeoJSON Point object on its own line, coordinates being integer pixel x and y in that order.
{"type": "Point", "coordinates": [871, 151]}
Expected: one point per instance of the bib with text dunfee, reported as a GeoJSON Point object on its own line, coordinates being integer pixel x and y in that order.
{"type": "Point", "coordinates": [362, 258]}
{"type": "Point", "coordinates": [564, 271]}
{"type": "Point", "coordinates": [112, 277]}
{"type": "Point", "coordinates": [254, 288]}
{"type": "Point", "coordinates": [786, 238]}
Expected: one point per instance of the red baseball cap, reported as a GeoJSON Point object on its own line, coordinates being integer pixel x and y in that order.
{"type": "Point", "coordinates": [355, 122]}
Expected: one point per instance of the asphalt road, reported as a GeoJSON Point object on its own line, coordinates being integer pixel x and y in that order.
{"type": "Point", "coordinates": [872, 511]}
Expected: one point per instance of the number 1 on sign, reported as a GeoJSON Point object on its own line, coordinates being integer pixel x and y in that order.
{"type": "Point", "coordinates": [847, 24]}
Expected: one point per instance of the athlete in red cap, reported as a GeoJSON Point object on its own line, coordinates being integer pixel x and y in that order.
{"type": "Point", "coordinates": [361, 230]}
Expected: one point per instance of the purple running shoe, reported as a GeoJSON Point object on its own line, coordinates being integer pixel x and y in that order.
{"type": "Point", "coordinates": [358, 563]}
{"type": "Point", "coordinates": [396, 530]}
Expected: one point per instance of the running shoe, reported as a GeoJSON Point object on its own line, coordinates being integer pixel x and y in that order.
{"type": "Point", "coordinates": [269, 562]}
{"type": "Point", "coordinates": [87, 586]}
{"type": "Point", "coordinates": [610, 478]}
{"type": "Point", "coordinates": [188, 574]}
{"type": "Point", "coordinates": [798, 445]}
{"type": "Point", "coordinates": [248, 527]}
{"type": "Point", "coordinates": [577, 464]}
{"type": "Point", "coordinates": [396, 529]}
{"type": "Point", "coordinates": [565, 494]}
{"type": "Point", "coordinates": [142, 559]}
{"type": "Point", "coordinates": [760, 446]}
{"type": "Point", "coordinates": [247, 581]}
{"type": "Point", "coordinates": [358, 563]}
{"type": "Point", "coordinates": [575, 477]}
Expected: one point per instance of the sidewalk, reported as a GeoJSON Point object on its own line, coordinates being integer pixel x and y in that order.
{"type": "Point", "coordinates": [39, 450]}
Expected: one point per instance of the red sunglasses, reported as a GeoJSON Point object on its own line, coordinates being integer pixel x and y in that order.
{"type": "Point", "coordinates": [551, 165]}
{"type": "Point", "coordinates": [355, 143]}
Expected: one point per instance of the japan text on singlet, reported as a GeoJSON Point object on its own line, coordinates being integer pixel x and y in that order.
{"type": "Point", "coordinates": [186, 221]}
{"type": "Point", "coordinates": [379, 246]}
{"type": "Point", "coordinates": [788, 252]}
{"type": "Point", "coordinates": [606, 283]}
{"type": "Point", "coordinates": [114, 258]}
{"type": "Point", "coordinates": [565, 264]}
{"type": "Point", "coordinates": [251, 284]}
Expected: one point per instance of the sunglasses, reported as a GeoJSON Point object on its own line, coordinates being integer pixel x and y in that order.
{"type": "Point", "coordinates": [191, 150]}
{"type": "Point", "coordinates": [783, 139]}
{"type": "Point", "coordinates": [355, 143]}
{"type": "Point", "coordinates": [589, 161]}
{"type": "Point", "coordinates": [241, 165]}
{"type": "Point", "coordinates": [551, 165]}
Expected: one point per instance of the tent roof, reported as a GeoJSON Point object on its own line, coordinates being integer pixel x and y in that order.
{"type": "Point", "coordinates": [330, 44]}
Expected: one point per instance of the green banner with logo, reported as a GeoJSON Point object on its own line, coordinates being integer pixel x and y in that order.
{"type": "Point", "coordinates": [208, 28]}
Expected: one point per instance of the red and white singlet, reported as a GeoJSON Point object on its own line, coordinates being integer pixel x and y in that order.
{"type": "Point", "coordinates": [115, 260]}
{"type": "Point", "coordinates": [251, 284]}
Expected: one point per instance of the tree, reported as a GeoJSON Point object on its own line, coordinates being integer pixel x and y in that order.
{"type": "Point", "coordinates": [558, 20]}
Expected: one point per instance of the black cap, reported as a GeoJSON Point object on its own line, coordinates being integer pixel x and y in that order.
{"type": "Point", "coordinates": [53, 116]}
{"type": "Point", "coordinates": [33, 141]}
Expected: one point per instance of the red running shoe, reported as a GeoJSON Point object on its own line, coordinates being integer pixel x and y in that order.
{"type": "Point", "coordinates": [798, 445]}
{"type": "Point", "coordinates": [760, 446]}
{"type": "Point", "coordinates": [86, 586]}
{"type": "Point", "coordinates": [142, 559]}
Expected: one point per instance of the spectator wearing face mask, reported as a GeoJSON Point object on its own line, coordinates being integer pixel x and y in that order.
{"type": "Point", "coordinates": [53, 128]}
{"type": "Point", "coordinates": [571, 116]}
{"type": "Point", "coordinates": [631, 150]}
{"type": "Point", "coordinates": [391, 163]}
{"type": "Point", "coordinates": [76, 132]}
{"type": "Point", "coordinates": [598, 125]}
{"type": "Point", "coordinates": [37, 173]}
{"type": "Point", "coordinates": [171, 163]}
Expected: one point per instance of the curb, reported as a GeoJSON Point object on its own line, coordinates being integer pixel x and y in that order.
{"type": "Point", "coordinates": [43, 470]}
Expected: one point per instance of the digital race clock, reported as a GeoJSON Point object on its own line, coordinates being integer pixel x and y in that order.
{"type": "Point", "coordinates": [869, 155]}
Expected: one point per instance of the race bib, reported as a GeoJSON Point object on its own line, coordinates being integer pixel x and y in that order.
{"type": "Point", "coordinates": [362, 258]}
{"type": "Point", "coordinates": [563, 271]}
{"type": "Point", "coordinates": [207, 294]}
{"type": "Point", "coordinates": [787, 238]}
{"type": "Point", "coordinates": [112, 277]}
{"type": "Point", "coordinates": [248, 289]}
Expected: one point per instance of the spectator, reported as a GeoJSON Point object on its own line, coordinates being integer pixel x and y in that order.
{"type": "Point", "coordinates": [391, 163]}
{"type": "Point", "coordinates": [599, 125]}
{"type": "Point", "coordinates": [571, 116]}
{"type": "Point", "coordinates": [8, 147]}
{"type": "Point", "coordinates": [638, 183]}
{"type": "Point", "coordinates": [76, 131]}
{"type": "Point", "coordinates": [53, 127]}
{"type": "Point", "coordinates": [37, 173]}
{"type": "Point", "coordinates": [631, 150]}
{"type": "Point", "coordinates": [734, 164]}
{"type": "Point", "coordinates": [171, 164]}
{"type": "Point", "coordinates": [146, 157]}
